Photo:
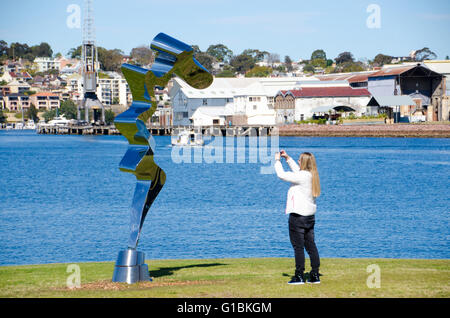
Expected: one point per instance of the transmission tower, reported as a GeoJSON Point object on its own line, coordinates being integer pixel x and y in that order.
{"type": "Point", "coordinates": [90, 65]}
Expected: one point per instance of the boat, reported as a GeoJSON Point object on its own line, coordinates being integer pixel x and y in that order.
{"type": "Point", "coordinates": [19, 126]}
{"type": "Point", "coordinates": [187, 138]}
{"type": "Point", "coordinates": [59, 121]}
{"type": "Point", "coordinates": [30, 125]}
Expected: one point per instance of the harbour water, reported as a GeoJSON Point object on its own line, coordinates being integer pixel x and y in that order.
{"type": "Point", "coordinates": [63, 199]}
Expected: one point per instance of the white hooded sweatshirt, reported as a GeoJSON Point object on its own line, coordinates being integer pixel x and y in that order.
{"type": "Point", "coordinates": [299, 197]}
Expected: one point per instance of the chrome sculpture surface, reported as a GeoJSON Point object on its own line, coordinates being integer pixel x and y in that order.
{"type": "Point", "coordinates": [173, 57]}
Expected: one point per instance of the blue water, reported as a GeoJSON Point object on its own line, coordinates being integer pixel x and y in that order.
{"type": "Point", "coordinates": [63, 199]}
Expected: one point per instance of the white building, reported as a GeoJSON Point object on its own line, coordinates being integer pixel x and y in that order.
{"type": "Point", "coordinates": [317, 98]}
{"type": "Point", "coordinates": [211, 115]}
{"type": "Point", "coordinates": [44, 64]}
{"type": "Point", "coordinates": [250, 99]}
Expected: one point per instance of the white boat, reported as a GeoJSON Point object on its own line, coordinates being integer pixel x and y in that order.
{"type": "Point", "coordinates": [188, 138]}
{"type": "Point", "coordinates": [19, 126]}
{"type": "Point", "coordinates": [30, 125]}
{"type": "Point", "coordinates": [59, 121]}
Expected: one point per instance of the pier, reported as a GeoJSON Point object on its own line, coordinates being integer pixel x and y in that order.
{"type": "Point", "coordinates": [235, 131]}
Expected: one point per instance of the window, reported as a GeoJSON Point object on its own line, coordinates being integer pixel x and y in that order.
{"type": "Point", "coordinates": [255, 107]}
{"type": "Point", "coordinates": [205, 102]}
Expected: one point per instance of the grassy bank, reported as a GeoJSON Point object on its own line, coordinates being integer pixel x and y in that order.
{"type": "Point", "coordinates": [234, 278]}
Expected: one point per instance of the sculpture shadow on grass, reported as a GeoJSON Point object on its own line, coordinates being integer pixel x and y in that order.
{"type": "Point", "coordinates": [168, 271]}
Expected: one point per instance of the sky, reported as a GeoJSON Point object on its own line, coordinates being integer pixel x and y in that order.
{"type": "Point", "coordinates": [294, 28]}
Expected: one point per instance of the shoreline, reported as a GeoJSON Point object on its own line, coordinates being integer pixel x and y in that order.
{"type": "Point", "coordinates": [375, 130]}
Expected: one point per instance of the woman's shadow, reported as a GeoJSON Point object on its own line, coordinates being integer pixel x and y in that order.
{"type": "Point", "coordinates": [167, 271]}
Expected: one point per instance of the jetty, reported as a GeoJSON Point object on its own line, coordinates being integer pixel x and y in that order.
{"type": "Point", "coordinates": [235, 131]}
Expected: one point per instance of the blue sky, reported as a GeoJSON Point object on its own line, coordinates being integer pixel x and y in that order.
{"type": "Point", "coordinates": [293, 28]}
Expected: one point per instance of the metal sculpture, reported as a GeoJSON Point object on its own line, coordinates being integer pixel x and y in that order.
{"type": "Point", "coordinates": [173, 57]}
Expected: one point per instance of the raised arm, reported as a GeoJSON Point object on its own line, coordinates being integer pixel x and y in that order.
{"type": "Point", "coordinates": [291, 162]}
{"type": "Point", "coordinates": [284, 175]}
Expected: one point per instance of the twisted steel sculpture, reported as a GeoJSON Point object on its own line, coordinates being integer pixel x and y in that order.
{"type": "Point", "coordinates": [173, 57]}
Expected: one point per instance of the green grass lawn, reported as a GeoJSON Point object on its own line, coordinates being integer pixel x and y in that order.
{"type": "Point", "coordinates": [248, 277]}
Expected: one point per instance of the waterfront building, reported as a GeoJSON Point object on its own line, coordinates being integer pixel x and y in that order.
{"type": "Point", "coordinates": [425, 86]}
{"type": "Point", "coordinates": [251, 100]}
{"type": "Point", "coordinates": [317, 99]}
{"type": "Point", "coordinates": [16, 102]}
{"type": "Point", "coordinates": [44, 101]}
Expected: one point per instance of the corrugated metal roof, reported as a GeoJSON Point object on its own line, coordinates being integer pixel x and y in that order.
{"type": "Point", "coordinates": [392, 71]}
{"type": "Point", "coordinates": [328, 92]}
{"type": "Point", "coordinates": [393, 100]}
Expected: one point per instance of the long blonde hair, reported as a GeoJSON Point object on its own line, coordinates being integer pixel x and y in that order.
{"type": "Point", "coordinates": [307, 162]}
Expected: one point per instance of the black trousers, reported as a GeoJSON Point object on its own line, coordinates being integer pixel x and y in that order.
{"type": "Point", "coordinates": [301, 234]}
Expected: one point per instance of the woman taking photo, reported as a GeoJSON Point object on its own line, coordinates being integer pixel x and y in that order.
{"type": "Point", "coordinates": [301, 207]}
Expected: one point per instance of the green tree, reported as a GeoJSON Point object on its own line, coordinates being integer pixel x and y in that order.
{"type": "Point", "coordinates": [257, 55]}
{"type": "Point", "coordinates": [115, 101]}
{"type": "Point", "coordinates": [288, 63]}
{"type": "Point", "coordinates": [381, 59]}
{"type": "Point", "coordinates": [259, 71]}
{"type": "Point", "coordinates": [75, 53]}
{"type": "Point", "coordinates": [32, 113]}
{"type": "Point", "coordinates": [319, 63]}
{"type": "Point", "coordinates": [42, 49]}
{"type": "Point", "coordinates": [109, 116]}
{"type": "Point", "coordinates": [424, 54]}
{"type": "Point", "coordinates": [319, 54]}
{"type": "Point", "coordinates": [308, 68]}
{"type": "Point", "coordinates": [68, 108]}
{"type": "Point", "coordinates": [242, 63]}
{"type": "Point", "coordinates": [220, 52]}
{"type": "Point", "coordinates": [226, 73]}
{"type": "Point", "coordinates": [3, 118]}
{"type": "Point", "coordinates": [344, 57]}
{"type": "Point", "coordinates": [111, 60]}
{"type": "Point", "coordinates": [49, 115]}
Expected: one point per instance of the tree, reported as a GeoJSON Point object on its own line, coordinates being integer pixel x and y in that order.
{"type": "Point", "coordinates": [288, 63]}
{"type": "Point", "coordinates": [143, 55]}
{"type": "Point", "coordinates": [75, 53]}
{"type": "Point", "coordinates": [259, 71]}
{"type": "Point", "coordinates": [3, 118]}
{"type": "Point", "coordinates": [349, 67]}
{"type": "Point", "coordinates": [424, 54]}
{"type": "Point", "coordinates": [319, 54]}
{"type": "Point", "coordinates": [381, 59]}
{"type": "Point", "coordinates": [68, 108]}
{"type": "Point", "coordinates": [220, 52]}
{"type": "Point", "coordinates": [226, 73]}
{"type": "Point", "coordinates": [308, 68]}
{"type": "Point", "coordinates": [111, 60]}
{"type": "Point", "coordinates": [42, 49]}
{"type": "Point", "coordinates": [49, 115]}
{"type": "Point", "coordinates": [319, 63]}
{"type": "Point", "coordinates": [205, 59]}
{"type": "Point", "coordinates": [257, 55]}
{"type": "Point", "coordinates": [242, 63]}
{"type": "Point", "coordinates": [109, 116]}
{"type": "Point", "coordinates": [344, 57]}
{"type": "Point", "coordinates": [115, 101]}
{"type": "Point", "coordinates": [3, 48]}
{"type": "Point", "coordinates": [32, 113]}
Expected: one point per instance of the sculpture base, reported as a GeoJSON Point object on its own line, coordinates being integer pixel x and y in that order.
{"type": "Point", "coordinates": [130, 267]}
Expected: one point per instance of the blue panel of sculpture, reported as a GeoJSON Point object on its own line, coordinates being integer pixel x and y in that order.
{"type": "Point", "coordinates": [172, 57]}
